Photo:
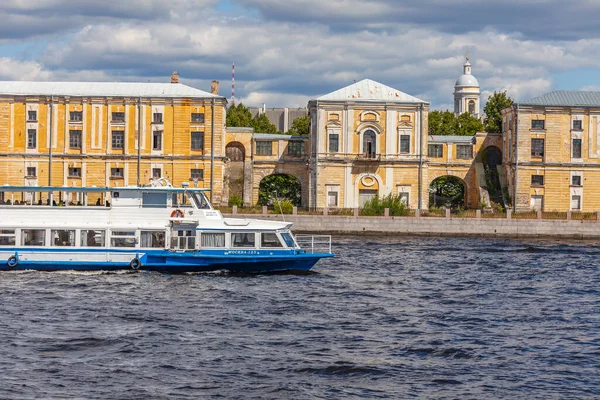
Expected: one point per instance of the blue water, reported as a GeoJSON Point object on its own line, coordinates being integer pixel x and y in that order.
{"type": "Point", "coordinates": [387, 318]}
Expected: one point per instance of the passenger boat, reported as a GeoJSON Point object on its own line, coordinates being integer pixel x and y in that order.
{"type": "Point", "coordinates": [157, 227]}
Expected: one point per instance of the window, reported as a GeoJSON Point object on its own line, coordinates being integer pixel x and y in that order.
{"type": "Point", "coordinates": [404, 144]}
{"type": "Point", "coordinates": [197, 140]}
{"type": "Point", "coordinates": [31, 172]}
{"type": "Point", "coordinates": [213, 239]}
{"type": "Point", "coordinates": [62, 237]}
{"type": "Point", "coordinates": [116, 172]}
{"type": "Point", "coordinates": [92, 238]}
{"type": "Point", "coordinates": [157, 118]}
{"type": "Point", "coordinates": [435, 150]}
{"type": "Point", "coordinates": [538, 124]}
{"type": "Point", "coordinates": [332, 198]}
{"type": "Point", "coordinates": [576, 148]}
{"type": "Point", "coordinates": [7, 237]}
{"type": "Point", "coordinates": [196, 174]}
{"type": "Point", "coordinates": [183, 240]}
{"type": "Point", "coordinates": [118, 117]}
{"type": "Point", "coordinates": [537, 180]}
{"type": "Point", "coordinates": [576, 202]}
{"type": "Point", "coordinates": [578, 124]}
{"type": "Point", "coordinates": [118, 139]}
{"type": "Point", "coordinates": [156, 173]}
{"type": "Point", "coordinates": [123, 239]}
{"type": "Point", "coordinates": [576, 180]}
{"type": "Point", "coordinates": [76, 116]}
{"type": "Point", "coordinates": [295, 148]}
{"type": "Point", "coordinates": [464, 151]}
{"type": "Point", "coordinates": [157, 140]}
{"type": "Point", "coordinates": [154, 239]}
{"type": "Point", "coordinates": [33, 237]}
{"type": "Point", "coordinates": [334, 142]}
{"type": "Point", "coordinates": [269, 239]}
{"type": "Point", "coordinates": [288, 239]}
{"type": "Point", "coordinates": [198, 117]}
{"type": "Point", "coordinates": [31, 115]}
{"type": "Point", "coordinates": [242, 239]}
{"type": "Point", "coordinates": [75, 139]}
{"type": "Point", "coordinates": [264, 148]}
{"type": "Point", "coordinates": [74, 172]}
{"type": "Point", "coordinates": [537, 147]}
{"type": "Point", "coordinates": [31, 138]}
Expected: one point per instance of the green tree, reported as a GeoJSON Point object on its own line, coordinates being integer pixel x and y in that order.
{"type": "Point", "coordinates": [493, 111]}
{"type": "Point", "coordinates": [261, 124]}
{"type": "Point", "coordinates": [300, 126]}
{"type": "Point", "coordinates": [239, 116]}
{"type": "Point", "coordinates": [447, 191]}
{"type": "Point", "coordinates": [442, 123]}
{"type": "Point", "coordinates": [468, 125]}
{"type": "Point", "coordinates": [279, 187]}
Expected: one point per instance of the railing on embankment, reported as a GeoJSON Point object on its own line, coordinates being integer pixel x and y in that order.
{"type": "Point", "coordinates": [436, 222]}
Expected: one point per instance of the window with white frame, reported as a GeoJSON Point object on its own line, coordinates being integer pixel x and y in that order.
{"type": "Point", "coordinates": [157, 137]}
{"type": "Point", "coordinates": [75, 139]}
{"type": "Point", "coordinates": [31, 115]}
{"type": "Point", "coordinates": [404, 144]}
{"type": "Point", "coordinates": [116, 172]}
{"type": "Point", "coordinates": [577, 124]}
{"type": "Point", "coordinates": [123, 239]}
{"type": "Point", "coordinates": [75, 116]}
{"type": "Point", "coordinates": [33, 237]}
{"type": "Point", "coordinates": [576, 148]}
{"type": "Point", "coordinates": [333, 195]}
{"type": "Point", "coordinates": [264, 148]}
{"type": "Point", "coordinates": [7, 237]}
{"type": "Point", "coordinates": [464, 151]}
{"type": "Point", "coordinates": [435, 150]}
{"type": "Point", "coordinates": [31, 172]}
{"type": "Point", "coordinates": [31, 138]}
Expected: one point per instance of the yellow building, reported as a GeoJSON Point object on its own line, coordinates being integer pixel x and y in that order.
{"type": "Point", "coordinates": [367, 139]}
{"type": "Point", "coordinates": [552, 151]}
{"type": "Point", "coordinates": [87, 134]}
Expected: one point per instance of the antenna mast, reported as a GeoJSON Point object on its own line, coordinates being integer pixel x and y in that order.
{"type": "Point", "coordinates": [233, 84]}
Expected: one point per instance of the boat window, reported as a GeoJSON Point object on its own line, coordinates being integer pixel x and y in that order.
{"type": "Point", "coordinates": [183, 240]}
{"type": "Point", "coordinates": [123, 239]}
{"type": "Point", "coordinates": [243, 239]}
{"type": "Point", "coordinates": [62, 237]}
{"type": "Point", "coordinates": [288, 239]}
{"type": "Point", "coordinates": [33, 237]}
{"type": "Point", "coordinates": [200, 200]}
{"type": "Point", "coordinates": [154, 200]}
{"type": "Point", "coordinates": [154, 239]}
{"type": "Point", "coordinates": [7, 237]}
{"type": "Point", "coordinates": [213, 239]}
{"type": "Point", "coordinates": [92, 238]}
{"type": "Point", "coordinates": [269, 239]}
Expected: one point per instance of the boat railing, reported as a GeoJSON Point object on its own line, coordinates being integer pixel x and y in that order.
{"type": "Point", "coordinates": [314, 243]}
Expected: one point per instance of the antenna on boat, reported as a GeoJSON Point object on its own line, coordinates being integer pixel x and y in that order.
{"type": "Point", "coordinates": [279, 203]}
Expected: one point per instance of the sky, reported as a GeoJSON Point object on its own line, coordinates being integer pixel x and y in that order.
{"type": "Point", "coordinates": [287, 51]}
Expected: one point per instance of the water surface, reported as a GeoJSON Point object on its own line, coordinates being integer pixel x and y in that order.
{"type": "Point", "coordinates": [387, 318]}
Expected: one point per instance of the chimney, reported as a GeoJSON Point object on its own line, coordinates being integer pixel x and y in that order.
{"type": "Point", "coordinates": [175, 77]}
{"type": "Point", "coordinates": [214, 87]}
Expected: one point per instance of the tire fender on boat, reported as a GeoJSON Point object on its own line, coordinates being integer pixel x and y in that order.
{"type": "Point", "coordinates": [135, 263]}
{"type": "Point", "coordinates": [12, 261]}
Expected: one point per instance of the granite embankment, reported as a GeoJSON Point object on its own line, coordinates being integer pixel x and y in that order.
{"type": "Point", "coordinates": [439, 226]}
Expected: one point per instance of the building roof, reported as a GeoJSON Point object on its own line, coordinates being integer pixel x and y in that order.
{"type": "Point", "coordinates": [565, 98]}
{"type": "Point", "coordinates": [451, 139]}
{"type": "Point", "coordinates": [101, 89]}
{"type": "Point", "coordinates": [466, 80]}
{"type": "Point", "coordinates": [275, 136]}
{"type": "Point", "coordinates": [368, 90]}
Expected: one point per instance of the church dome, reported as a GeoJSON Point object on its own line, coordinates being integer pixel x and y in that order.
{"type": "Point", "coordinates": [466, 80]}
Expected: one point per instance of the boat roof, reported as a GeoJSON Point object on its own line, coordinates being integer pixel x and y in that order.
{"type": "Point", "coordinates": [8, 188]}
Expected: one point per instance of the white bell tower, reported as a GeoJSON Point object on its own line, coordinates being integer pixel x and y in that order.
{"type": "Point", "coordinates": [466, 93]}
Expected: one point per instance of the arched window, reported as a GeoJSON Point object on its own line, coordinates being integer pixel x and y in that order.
{"type": "Point", "coordinates": [369, 143]}
{"type": "Point", "coordinates": [472, 107]}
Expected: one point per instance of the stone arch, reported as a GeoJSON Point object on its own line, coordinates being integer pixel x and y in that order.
{"type": "Point", "coordinates": [235, 151]}
{"type": "Point", "coordinates": [364, 128]}
{"type": "Point", "coordinates": [282, 186]}
{"type": "Point", "coordinates": [444, 191]}
{"type": "Point", "coordinates": [363, 188]}
{"type": "Point", "coordinates": [471, 107]}
{"type": "Point", "coordinates": [491, 155]}
{"type": "Point", "coordinates": [369, 115]}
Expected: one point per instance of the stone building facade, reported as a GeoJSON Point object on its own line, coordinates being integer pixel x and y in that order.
{"type": "Point", "coordinates": [87, 134]}
{"type": "Point", "coordinates": [552, 151]}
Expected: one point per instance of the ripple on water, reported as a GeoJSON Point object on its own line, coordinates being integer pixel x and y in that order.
{"type": "Point", "coordinates": [389, 317]}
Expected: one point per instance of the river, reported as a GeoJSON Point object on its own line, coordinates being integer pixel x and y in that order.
{"type": "Point", "coordinates": [387, 318]}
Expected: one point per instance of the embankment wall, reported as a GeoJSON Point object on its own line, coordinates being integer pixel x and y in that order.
{"type": "Point", "coordinates": [433, 226]}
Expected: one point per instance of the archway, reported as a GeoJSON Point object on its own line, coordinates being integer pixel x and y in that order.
{"type": "Point", "coordinates": [447, 191]}
{"type": "Point", "coordinates": [491, 158]}
{"type": "Point", "coordinates": [280, 186]}
{"type": "Point", "coordinates": [236, 153]}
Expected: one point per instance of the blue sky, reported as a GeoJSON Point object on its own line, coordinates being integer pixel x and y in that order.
{"type": "Point", "coordinates": [287, 52]}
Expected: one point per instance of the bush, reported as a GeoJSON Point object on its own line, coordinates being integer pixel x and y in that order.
{"type": "Point", "coordinates": [377, 206]}
{"type": "Point", "coordinates": [236, 200]}
{"type": "Point", "coordinates": [283, 206]}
